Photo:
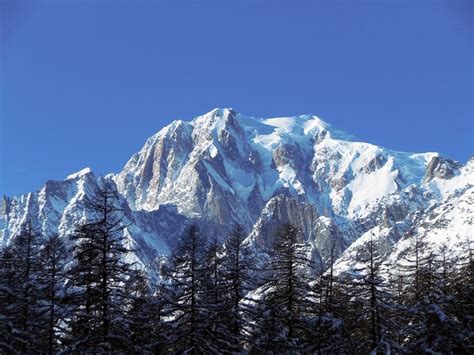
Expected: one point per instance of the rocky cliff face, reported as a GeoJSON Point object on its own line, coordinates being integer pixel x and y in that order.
{"type": "Point", "coordinates": [224, 168]}
{"type": "Point", "coordinates": [59, 205]}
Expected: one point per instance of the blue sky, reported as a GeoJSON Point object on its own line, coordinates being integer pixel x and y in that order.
{"type": "Point", "coordinates": [85, 83]}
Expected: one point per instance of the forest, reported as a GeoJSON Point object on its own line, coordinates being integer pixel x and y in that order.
{"type": "Point", "coordinates": [83, 295]}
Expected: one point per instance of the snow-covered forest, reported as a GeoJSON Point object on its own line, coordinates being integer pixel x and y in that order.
{"type": "Point", "coordinates": [83, 295]}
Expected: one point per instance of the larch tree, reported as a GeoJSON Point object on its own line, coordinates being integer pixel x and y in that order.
{"type": "Point", "coordinates": [185, 305]}
{"type": "Point", "coordinates": [24, 310]}
{"type": "Point", "coordinates": [370, 304]}
{"type": "Point", "coordinates": [51, 280]}
{"type": "Point", "coordinates": [8, 298]}
{"type": "Point", "coordinates": [285, 294]}
{"type": "Point", "coordinates": [98, 276]}
{"type": "Point", "coordinates": [238, 281]}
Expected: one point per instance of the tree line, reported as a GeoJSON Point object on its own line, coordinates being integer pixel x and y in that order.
{"type": "Point", "coordinates": [86, 296]}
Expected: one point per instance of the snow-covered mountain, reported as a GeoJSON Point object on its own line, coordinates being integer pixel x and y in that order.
{"type": "Point", "coordinates": [224, 168]}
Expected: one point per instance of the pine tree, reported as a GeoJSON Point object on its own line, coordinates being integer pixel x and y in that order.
{"type": "Point", "coordinates": [428, 313]}
{"type": "Point", "coordinates": [24, 310]}
{"type": "Point", "coordinates": [82, 289]}
{"type": "Point", "coordinates": [371, 304]}
{"type": "Point", "coordinates": [269, 335]}
{"type": "Point", "coordinates": [98, 276]}
{"type": "Point", "coordinates": [427, 301]}
{"type": "Point", "coordinates": [216, 298]}
{"type": "Point", "coordinates": [238, 281]}
{"type": "Point", "coordinates": [142, 315]}
{"type": "Point", "coordinates": [462, 302]}
{"type": "Point", "coordinates": [340, 319]}
{"type": "Point", "coordinates": [329, 308]}
{"type": "Point", "coordinates": [399, 313]}
{"type": "Point", "coordinates": [185, 305]}
{"type": "Point", "coordinates": [51, 283]}
{"type": "Point", "coordinates": [407, 287]}
{"type": "Point", "coordinates": [286, 295]}
{"type": "Point", "coordinates": [8, 297]}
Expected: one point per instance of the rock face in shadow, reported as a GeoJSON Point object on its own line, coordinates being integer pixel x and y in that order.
{"type": "Point", "coordinates": [442, 168]}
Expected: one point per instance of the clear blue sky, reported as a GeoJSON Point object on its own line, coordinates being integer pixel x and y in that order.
{"type": "Point", "coordinates": [85, 83]}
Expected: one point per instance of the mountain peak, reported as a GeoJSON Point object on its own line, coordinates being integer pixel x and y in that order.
{"type": "Point", "coordinates": [213, 116]}
{"type": "Point", "coordinates": [80, 173]}
{"type": "Point", "coordinates": [225, 168]}
{"type": "Point", "coordinates": [220, 111]}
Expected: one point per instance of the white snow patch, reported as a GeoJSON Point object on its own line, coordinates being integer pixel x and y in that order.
{"type": "Point", "coordinates": [80, 173]}
{"type": "Point", "coordinates": [213, 151]}
{"type": "Point", "coordinates": [283, 124]}
{"type": "Point", "coordinates": [289, 180]}
{"type": "Point", "coordinates": [287, 174]}
{"type": "Point", "coordinates": [313, 124]}
{"type": "Point", "coordinates": [367, 188]}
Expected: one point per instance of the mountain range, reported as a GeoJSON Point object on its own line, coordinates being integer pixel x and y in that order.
{"type": "Point", "coordinates": [224, 168]}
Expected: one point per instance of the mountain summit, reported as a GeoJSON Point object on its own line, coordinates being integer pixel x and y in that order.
{"type": "Point", "coordinates": [224, 168]}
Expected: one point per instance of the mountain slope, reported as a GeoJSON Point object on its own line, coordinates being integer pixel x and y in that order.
{"type": "Point", "coordinates": [224, 168]}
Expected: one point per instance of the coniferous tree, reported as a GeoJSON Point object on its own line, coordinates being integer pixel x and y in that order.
{"type": "Point", "coordinates": [216, 298]}
{"type": "Point", "coordinates": [51, 284]}
{"type": "Point", "coordinates": [185, 305]}
{"type": "Point", "coordinates": [238, 281]}
{"type": "Point", "coordinates": [443, 326]}
{"type": "Point", "coordinates": [8, 297]}
{"type": "Point", "coordinates": [24, 310]}
{"type": "Point", "coordinates": [208, 302]}
{"type": "Point", "coordinates": [462, 302]}
{"type": "Point", "coordinates": [426, 300]}
{"type": "Point", "coordinates": [341, 338]}
{"type": "Point", "coordinates": [407, 288]}
{"type": "Point", "coordinates": [330, 307]}
{"type": "Point", "coordinates": [142, 314]}
{"type": "Point", "coordinates": [286, 302]}
{"type": "Point", "coordinates": [213, 261]}
{"type": "Point", "coordinates": [428, 315]}
{"type": "Point", "coordinates": [399, 312]}
{"type": "Point", "coordinates": [98, 276]}
{"type": "Point", "coordinates": [82, 288]}
{"type": "Point", "coordinates": [267, 329]}
{"type": "Point", "coordinates": [411, 264]}
{"type": "Point", "coordinates": [371, 304]}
